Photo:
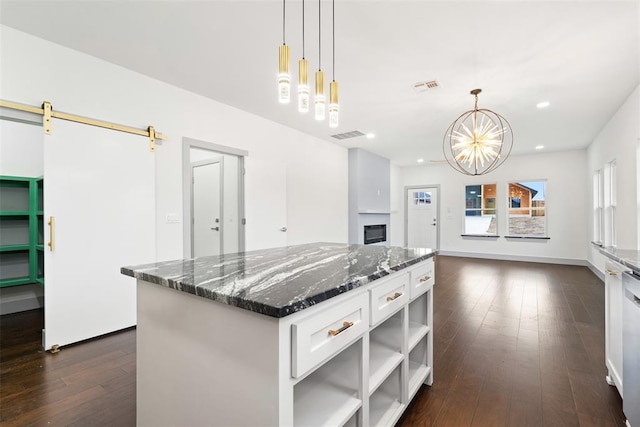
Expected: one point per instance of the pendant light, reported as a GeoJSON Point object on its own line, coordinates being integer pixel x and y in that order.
{"type": "Point", "coordinates": [303, 76]}
{"type": "Point", "coordinates": [334, 108]}
{"type": "Point", "coordinates": [478, 141]}
{"type": "Point", "coordinates": [284, 78]}
{"type": "Point", "coordinates": [319, 95]}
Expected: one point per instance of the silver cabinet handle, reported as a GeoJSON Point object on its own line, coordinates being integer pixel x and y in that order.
{"type": "Point", "coordinates": [283, 229]}
{"type": "Point", "coordinates": [215, 228]}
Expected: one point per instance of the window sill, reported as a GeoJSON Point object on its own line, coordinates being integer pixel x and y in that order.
{"type": "Point", "coordinates": [484, 236]}
{"type": "Point", "coordinates": [528, 237]}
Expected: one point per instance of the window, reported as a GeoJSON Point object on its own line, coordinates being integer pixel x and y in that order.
{"type": "Point", "coordinates": [526, 209]}
{"type": "Point", "coordinates": [421, 198]}
{"type": "Point", "coordinates": [598, 206]}
{"type": "Point", "coordinates": [480, 210]}
{"type": "Point", "coordinates": [610, 204]}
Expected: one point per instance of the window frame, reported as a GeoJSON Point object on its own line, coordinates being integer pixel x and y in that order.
{"type": "Point", "coordinates": [530, 207]}
{"type": "Point", "coordinates": [611, 170]}
{"type": "Point", "coordinates": [493, 186]}
{"type": "Point", "coordinates": [598, 206]}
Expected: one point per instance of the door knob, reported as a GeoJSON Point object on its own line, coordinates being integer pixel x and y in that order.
{"type": "Point", "coordinates": [283, 229]}
{"type": "Point", "coordinates": [215, 228]}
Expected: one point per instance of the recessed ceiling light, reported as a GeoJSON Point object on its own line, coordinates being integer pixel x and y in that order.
{"type": "Point", "coordinates": [543, 104]}
{"type": "Point", "coordinates": [539, 147]}
{"type": "Point", "coordinates": [371, 135]}
{"type": "Point", "coordinates": [420, 160]}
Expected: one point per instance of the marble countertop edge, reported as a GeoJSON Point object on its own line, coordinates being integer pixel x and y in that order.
{"type": "Point", "coordinates": [278, 282]}
{"type": "Point", "coordinates": [261, 308]}
{"type": "Point", "coordinates": [632, 262]}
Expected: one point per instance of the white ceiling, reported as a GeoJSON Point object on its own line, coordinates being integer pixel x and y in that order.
{"type": "Point", "coordinates": [581, 56]}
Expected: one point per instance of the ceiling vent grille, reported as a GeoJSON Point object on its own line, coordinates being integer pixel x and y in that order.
{"type": "Point", "coordinates": [425, 86]}
{"type": "Point", "coordinates": [347, 135]}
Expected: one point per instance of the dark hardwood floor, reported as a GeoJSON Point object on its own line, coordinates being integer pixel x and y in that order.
{"type": "Point", "coordinates": [515, 344]}
{"type": "Point", "coordinates": [88, 384]}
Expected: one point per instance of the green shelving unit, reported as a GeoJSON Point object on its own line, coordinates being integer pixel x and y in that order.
{"type": "Point", "coordinates": [21, 231]}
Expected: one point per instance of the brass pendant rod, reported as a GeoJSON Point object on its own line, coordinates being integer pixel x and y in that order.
{"type": "Point", "coordinates": [43, 111]}
{"type": "Point", "coordinates": [319, 37]}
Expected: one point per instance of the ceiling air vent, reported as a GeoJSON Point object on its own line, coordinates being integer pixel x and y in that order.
{"type": "Point", "coordinates": [425, 86]}
{"type": "Point", "coordinates": [346, 135]}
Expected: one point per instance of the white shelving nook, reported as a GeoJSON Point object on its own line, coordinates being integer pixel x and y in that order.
{"type": "Point", "coordinates": [356, 359]}
{"type": "Point", "coordinates": [334, 385]}
{"type": "Point", "coordinates": [385, 404]}
{"type": "Point", "coordinates": [385, 350]}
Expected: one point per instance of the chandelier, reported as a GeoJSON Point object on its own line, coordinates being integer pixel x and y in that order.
{"type": "Point", "coordinates": [478, 141]}
{"type": "Point", "coordinates": [284, 76]}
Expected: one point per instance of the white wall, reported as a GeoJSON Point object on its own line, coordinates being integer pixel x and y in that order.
{"type": "Point", "coordinates": [619, 141]}
{"type": "Point", "coordinates": [316, 170]}
{"type": "Point", "coordinates": [317, 189]}
{"type": "Point", "coordinates": [567, 195]}
{"type": "Point", "coordinates": [21, 150]}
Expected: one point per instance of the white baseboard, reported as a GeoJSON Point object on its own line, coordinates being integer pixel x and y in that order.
{"type": "Point", "coordinates": [595, 271]}
{"type": "Point", "coordinates": [524, 258]}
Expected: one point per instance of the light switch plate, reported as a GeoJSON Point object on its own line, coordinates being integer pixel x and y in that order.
{"type": "Point", "coordinates": [172, 218]}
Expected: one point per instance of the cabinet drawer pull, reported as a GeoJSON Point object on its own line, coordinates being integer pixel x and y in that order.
{"type": "Point", "coordinates": [425, 278]}
{"type": "Point", "coordinates": [345, 326]}
{"type": "Point", "coordinates": [394, 296]}
{"type": "Point", "coordinates": [613, 273]}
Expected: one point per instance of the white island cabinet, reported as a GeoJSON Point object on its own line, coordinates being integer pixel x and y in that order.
{"type": "Point", "coordinates": [267, 338]}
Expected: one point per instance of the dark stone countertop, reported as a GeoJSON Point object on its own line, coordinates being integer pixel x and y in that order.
{"type": "Point", "coordinates": [280, 281]}
{"type": "Point", "coordinates": [626, 257]}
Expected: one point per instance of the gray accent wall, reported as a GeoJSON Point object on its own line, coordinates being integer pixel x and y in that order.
{"type": "Point", "coordinates": [369, 192]}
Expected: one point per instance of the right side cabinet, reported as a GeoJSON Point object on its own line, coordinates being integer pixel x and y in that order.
{"type": "Point", "coordinates": [613, 323]}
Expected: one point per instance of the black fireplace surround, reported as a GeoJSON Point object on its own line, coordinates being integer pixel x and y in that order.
{"type": "Point", "coordinates": [375, 233]}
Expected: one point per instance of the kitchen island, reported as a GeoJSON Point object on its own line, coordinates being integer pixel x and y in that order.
{"type": "Point", "coordinates": [314, 334]}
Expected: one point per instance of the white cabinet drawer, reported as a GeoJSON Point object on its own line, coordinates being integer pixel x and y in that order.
{"type": "Point", "coordinates": [319, 336]}
{"type": "Point", "coordinates": [422, 278]}
{"type": "Point", "coordinates": [388, 297]}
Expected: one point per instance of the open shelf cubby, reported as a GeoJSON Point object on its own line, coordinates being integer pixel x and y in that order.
{"type": "Point", "coordinates": [418, 368]}
{"type": "Point", "coordinates": [385, 350]}
{"type": "Point", "coordinates": [333, 385]}
{"type": "Point", "coordinates": [21, 231]}
{"type": "Point", "coordinates": [385, 404]}
{"type": "Point", "coordinates": [418, 323]}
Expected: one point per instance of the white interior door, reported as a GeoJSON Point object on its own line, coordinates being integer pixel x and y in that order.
{"type": "Point", "coordinates": [421, 217]}
{"type": "Point", "coordinates": [207, 215]}
{"type": "Point", "coordinates": [266, 209]}
{"type": "Point", "coordinates": [99, 185]}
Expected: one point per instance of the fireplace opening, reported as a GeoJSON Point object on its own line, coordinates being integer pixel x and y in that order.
{"type": "Point", "coordinates": [375, 233]}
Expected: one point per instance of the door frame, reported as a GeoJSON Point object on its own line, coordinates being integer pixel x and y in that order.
{"type": "Point", "coordinates": [408, 188]}
{"type": "Point", "coordinates": [193, 165]}
{"type": "Point", "coordinates": [187, 145]}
